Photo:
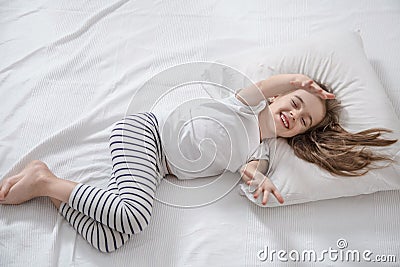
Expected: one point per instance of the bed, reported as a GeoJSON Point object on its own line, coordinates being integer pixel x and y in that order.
{"type": "Point", "coordinates": [68, 70]}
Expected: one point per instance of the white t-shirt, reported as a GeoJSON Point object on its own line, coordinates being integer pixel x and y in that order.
{"type": "Point", "coordinates": [205, 137]}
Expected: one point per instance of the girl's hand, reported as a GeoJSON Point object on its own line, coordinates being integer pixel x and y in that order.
{"type": "Point", "coordinates": [264, 185]}
{"type": "Point", "coordinates": [312, 87]}
{"type": "Point", "coordinates": [260, 165]}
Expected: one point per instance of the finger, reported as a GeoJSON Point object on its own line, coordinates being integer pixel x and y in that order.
{"type": "Point", "coordinates": [249, 174]}
{"type": "Point", "coordinates": [6, 185]}
{"type": "Point", "coordinates": [316, 88]}
{"type": "Point", "coordinates": [257, 193]}
{"type": "Point", "coordinates": [278, 196]}
{"type": "Point", "coordinates": [5, 188]}
{"type": "Point", "coordinates": [251, 188]}
{"type": "Point", "coordinates": [327, 96]}
{"type": "Point", "coordinates": [251, 183]}
{"type": "Point", "coordinates": [330, 96]}
{"type": "Point", "coordinates": [2, 188]}
{"type": "Point", "coordinates": [306, 84]}
{"type": "Point", "coordinates": [323, 94]}
{"type": "Point", "coordinates": [295, 83]}
{"type": "Point", "coordinates": [265, 197]}
{"type": "Point", "coordinates": [245, 178]}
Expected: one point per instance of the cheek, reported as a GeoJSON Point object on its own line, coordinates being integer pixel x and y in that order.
{"type": "Point", "coordinates": [302, 130]}
{"type": "Point", "coordinates": [277, 105]}
{"type": "Point", "coordinates": [294, 131]}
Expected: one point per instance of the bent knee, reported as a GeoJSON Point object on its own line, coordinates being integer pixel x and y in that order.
{"type": "Point", "coordinates": [111, 244]}
{"type": "Point", "coordinates": [135, 226]}
{"type": "Point", "coordinates": [135, 218]}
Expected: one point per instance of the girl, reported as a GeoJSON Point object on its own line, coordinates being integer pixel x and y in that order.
{"type": "Point", "coordinates": [301, 111]}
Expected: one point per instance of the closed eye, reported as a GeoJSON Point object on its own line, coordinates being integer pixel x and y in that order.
{"type": "Point", "coordinates": [304, 122]}
{"type": "Point", "coordinates": [294, 104]}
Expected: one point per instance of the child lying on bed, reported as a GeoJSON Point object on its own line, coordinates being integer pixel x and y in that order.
{"type": "Point", "coordinates": [301, 111]}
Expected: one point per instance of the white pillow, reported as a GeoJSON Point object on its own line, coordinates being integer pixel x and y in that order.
{"type": "Point", "coordinates": [338, 60]}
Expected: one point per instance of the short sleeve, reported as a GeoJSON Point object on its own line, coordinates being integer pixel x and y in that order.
{"type": "Point", "coordinates": [232, 100]}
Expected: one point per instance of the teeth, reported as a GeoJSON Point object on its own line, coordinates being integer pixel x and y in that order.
{"type": "Point", "coordinates": [284, 121]}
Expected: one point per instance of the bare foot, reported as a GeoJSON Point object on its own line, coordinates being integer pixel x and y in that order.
{"type": "Point", "coordinates": [26, 185]}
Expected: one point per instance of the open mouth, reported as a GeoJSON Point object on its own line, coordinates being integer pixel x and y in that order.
{"type": "Point", "coordinates": [285, 121]}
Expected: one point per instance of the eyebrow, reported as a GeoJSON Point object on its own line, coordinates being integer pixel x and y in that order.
{"type": "Point", "coordinates": [301, 99]}
{"type": "Point", "coordinates": [302, 102]}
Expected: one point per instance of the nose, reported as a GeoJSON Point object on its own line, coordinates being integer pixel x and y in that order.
{"type": "Point", "coordinates": [294, 115]}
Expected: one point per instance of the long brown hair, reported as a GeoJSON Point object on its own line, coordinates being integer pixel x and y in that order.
{"type": "Point", "coordinates": [333, 148]}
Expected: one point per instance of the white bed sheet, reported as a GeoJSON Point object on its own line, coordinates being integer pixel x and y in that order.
{"type": "Point", "coordinates": [67, 72]}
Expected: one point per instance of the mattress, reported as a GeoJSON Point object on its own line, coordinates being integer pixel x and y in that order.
{"type": "Point", "coordinates": [68, 71]}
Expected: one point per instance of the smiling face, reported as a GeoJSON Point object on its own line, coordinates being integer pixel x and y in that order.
{"type": "Point", "coordinates": [296, 112]}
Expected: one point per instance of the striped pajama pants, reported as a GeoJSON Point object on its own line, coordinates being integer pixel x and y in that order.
{"type": "Point", "coordinates": [106, 218]}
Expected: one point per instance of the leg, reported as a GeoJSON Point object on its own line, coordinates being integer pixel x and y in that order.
{"type": "Point", "coordinates": [37, 180]}
{"type": "Point", "coordinates": [126, 206]}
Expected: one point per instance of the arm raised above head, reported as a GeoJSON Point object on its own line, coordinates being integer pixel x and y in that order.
{"type": "Point", "coordinates": [272, 86]}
